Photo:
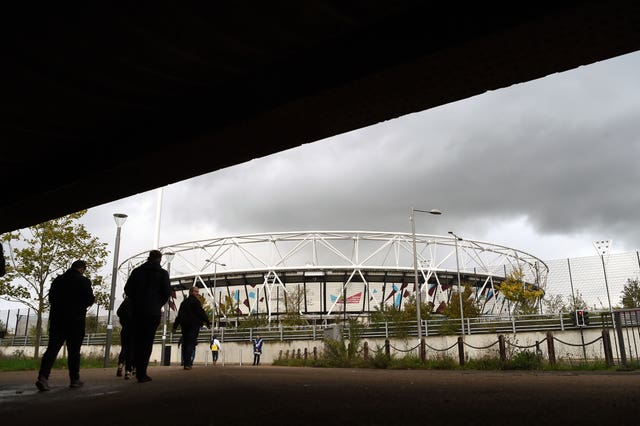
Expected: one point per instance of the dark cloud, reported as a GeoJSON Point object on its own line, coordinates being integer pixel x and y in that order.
{"type": "Point", "coordinates": [549, 160]}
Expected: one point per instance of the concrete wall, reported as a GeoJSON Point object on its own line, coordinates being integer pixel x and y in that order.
{"type": "Point", "coordinates": [568, 345]}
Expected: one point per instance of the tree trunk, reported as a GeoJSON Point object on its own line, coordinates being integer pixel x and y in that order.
{"type": "Point", "coordinates": [36, 346]}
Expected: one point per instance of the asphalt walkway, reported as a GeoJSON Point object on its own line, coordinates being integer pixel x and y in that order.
{"type": "Point", "coordinates": [266, 395]}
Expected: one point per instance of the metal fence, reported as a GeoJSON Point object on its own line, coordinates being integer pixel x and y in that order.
{"type": "Point", "coordinates": [431, 327]}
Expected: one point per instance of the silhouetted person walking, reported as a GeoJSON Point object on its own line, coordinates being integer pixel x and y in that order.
{"type": "Point", "coordinates": [191, 316]}
{"type": "Point", "coordinates": [149, 289]}
{"type": "Point", "coordinates": [70, 296]}
{"type": "Point", "coordinates": [125, 358]}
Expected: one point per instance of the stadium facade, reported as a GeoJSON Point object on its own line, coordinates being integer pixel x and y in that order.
{"type": "Point", "coordinates": [323, 275]}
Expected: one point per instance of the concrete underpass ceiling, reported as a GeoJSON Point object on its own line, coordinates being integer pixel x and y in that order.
{"type": "Point", "coordinates": [99, 103]}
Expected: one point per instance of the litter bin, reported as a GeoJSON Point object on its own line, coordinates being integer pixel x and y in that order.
{"type": "Point", "coordinates": [167, 355]}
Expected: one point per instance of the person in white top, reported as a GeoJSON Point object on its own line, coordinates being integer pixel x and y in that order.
{"type": "Point", "coordinates": [214, 345]}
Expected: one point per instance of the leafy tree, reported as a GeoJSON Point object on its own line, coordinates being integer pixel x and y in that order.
{"type": "Point", "coordinates": [523, 296]}
{"type": "Point", "coordinates": [294, 302]}
{"type": "Point", "coordinates": [391, 313]}
{"type": "Point", "coordinates": [40, 253]}
{"type": "Point", "coordinates": [631, 294]}
{"type": "Point", "coordinates": [576, 302]}
{"type": "Point", "coordinates": [558, 304]}
{"type": "Point", "coordinates": [229, 307]}
{"type": "Point", "coordinates": [553, 304]}
{"type": "Point", "coordinates": [470, 307]}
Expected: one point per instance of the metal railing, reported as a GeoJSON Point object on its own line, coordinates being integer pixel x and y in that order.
{"type": "Point", "coordinates": [431, 327]}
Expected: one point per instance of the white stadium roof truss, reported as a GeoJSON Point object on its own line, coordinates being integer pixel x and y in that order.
{"type": "Point", "coordinates": [368, 262]}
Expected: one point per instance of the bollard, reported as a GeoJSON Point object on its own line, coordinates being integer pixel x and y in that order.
{"type": "Point", "coordinates": [365, 350]}
{"type": "Point", "coordinates": [315, 353]}
{"type": "Point", "coordinates": [608, 351]}
{"type": "Point", "coordinates": [306, 353]}
{"type": "Point", "coordinates": [387, 348]}
{"type": "Point", "coordinates": [298, 356]}
{"type": "Point", "coordinates": [280, 354]}
{"type": "Point", "coordinates": [502, 348]}
{"type": "Point", "coordinates": [461, 350]}
{"type": "Point", "coordinates": [423, 350]}
{"type": "Point", "coordinates": [551, 349]}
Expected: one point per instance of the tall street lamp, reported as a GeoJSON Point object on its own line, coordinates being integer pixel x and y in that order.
{"type": "Point", "coordinates": [603, 247]}
{"type": "Point", "coordinates": [168, 257]}
{"type": "Point", "coordinates": [213, 307]}
{"type": "Point", "coordinates": [119, 218]}
{"type": "Point", "coordinates": [459, 284]}
{"type": "Point", "coordinates": [415, 264]}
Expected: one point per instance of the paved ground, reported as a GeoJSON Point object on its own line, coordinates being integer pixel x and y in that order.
{"type": "Point", "coordinates": [266, 395]}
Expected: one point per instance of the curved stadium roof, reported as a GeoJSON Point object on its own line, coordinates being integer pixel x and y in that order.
{"type": "Point", "coordinates": [342, 271]}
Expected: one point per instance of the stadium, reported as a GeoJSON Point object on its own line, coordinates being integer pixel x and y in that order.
{"type": "Point", "coordinates": [326, 275]}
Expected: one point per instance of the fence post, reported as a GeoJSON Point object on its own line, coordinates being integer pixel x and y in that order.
{"type": "Point", "coordinates": [423, 350]}
{"type": "Point", "coordinates": [502, 348]}
{"type": "Point", "coordinates": [460, 350]}
{"type": "Point", "coordinates": [551, 348]}
{"type": "Point", "coordinates": [365, 350]}
{"type": "Point", "coordinates": [608, 352]}
{"type": "Point", "coordinates": [387, 348]}
{"type": "Point", "coordinates": [617, 323]}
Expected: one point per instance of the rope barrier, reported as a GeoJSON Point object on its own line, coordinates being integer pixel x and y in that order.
{"type": "Point", "coordinates": [481, 347]}
{"type": "Point", "coordinates": [578, 344]}
{"type": "Point", "coordinates": [442, 350]}
{"type": "Point", "coordinates": [526, 347]}
{"type": "Point", "coordinates": [520, 347]}
{"type": "Point", "coordinates": [404, 350]}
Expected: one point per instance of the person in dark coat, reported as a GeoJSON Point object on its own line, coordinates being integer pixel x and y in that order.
{"type": "Point", "coordinates": [257, 349]}
{"type": "Point", "coordinates": [191, 316]}
{"type": "Point", "coordinates": [70, 295]}
{"type": "Point", "coordinates": [125, 358]}
{"type": "Point", "coordinates": [149, 288]}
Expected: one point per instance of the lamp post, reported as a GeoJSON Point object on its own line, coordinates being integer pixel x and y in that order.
{"type": "Point", "coordinates": [213, 306]}
{"type": "Point", "coordinates": [603, 247]}
{"type": "Point", "coordinates": [459, 284]}
{"type": "Point", "coordinates": [119, 218]}
{"type": "Point", "coordinates": [415, 264]}
{"type": "Point", "coordinates": [169, 257]}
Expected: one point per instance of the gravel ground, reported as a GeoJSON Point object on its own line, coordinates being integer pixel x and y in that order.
{"type": "Point", "coordinates": [248, 395]}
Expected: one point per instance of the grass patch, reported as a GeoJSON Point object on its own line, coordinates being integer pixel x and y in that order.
{"type": "Point", "coordinates": [18, 361]}
{"type": "Point", "coordinates": [337, 356]}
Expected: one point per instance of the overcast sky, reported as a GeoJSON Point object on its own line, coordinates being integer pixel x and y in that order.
{"type": "Point", "coordinates": [546, 166]}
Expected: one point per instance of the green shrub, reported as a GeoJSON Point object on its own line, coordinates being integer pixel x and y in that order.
{"type": "Point", "coordinates": [525, 360]}
{"type": "Point", "coordinates": [485, 363]}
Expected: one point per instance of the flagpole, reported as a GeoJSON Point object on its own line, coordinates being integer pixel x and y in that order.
{"type": "Point", "coordinates": [156, 243]}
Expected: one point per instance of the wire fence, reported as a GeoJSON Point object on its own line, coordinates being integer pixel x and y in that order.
{"type": "Point", "coordinates": [625, 323]}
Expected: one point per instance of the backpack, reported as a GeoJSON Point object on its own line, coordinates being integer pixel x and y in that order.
{"type": "Point", "coordinates": [214, 347]}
